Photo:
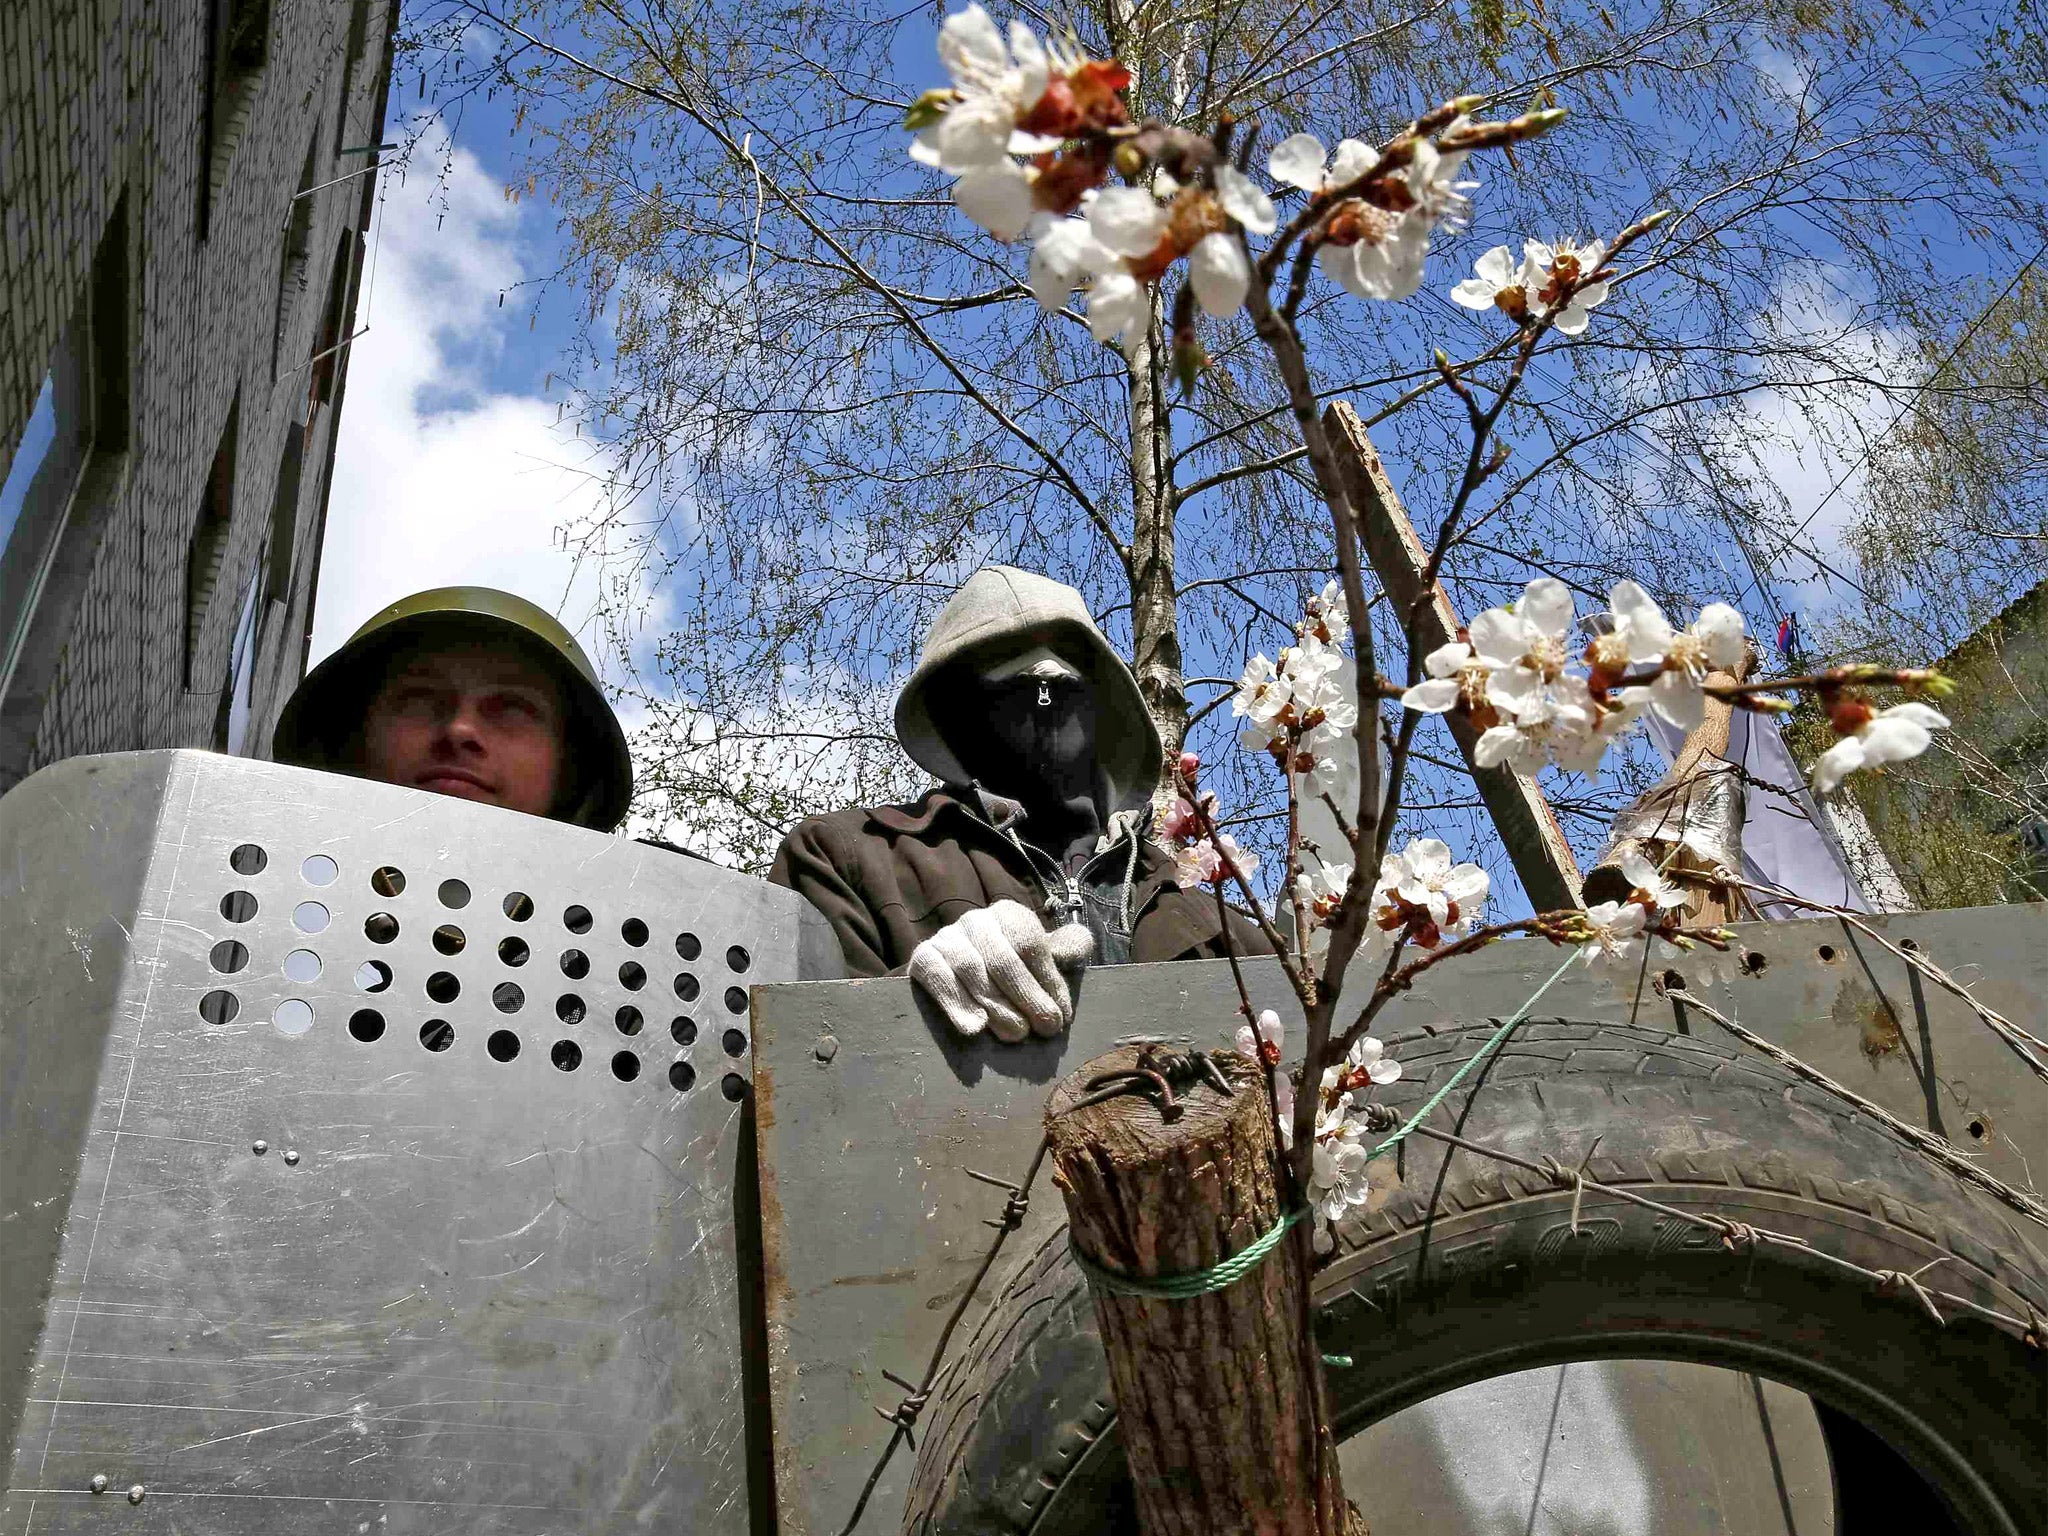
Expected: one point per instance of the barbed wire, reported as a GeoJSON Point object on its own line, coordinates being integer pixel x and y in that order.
{"type": "Point", "coordinates": [1154, 1079]}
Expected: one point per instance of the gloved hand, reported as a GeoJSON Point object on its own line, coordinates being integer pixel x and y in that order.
{"type": "Point", "coordinates": [1000, 968]}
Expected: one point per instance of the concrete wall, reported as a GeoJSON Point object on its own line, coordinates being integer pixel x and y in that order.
{"type": "Point", "coordinates": [157, 148]}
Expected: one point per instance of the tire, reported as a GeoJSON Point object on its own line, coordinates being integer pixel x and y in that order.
{"type": "Point", "coordinates": [1468, 1269]}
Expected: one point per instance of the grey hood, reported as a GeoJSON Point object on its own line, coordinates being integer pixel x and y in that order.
{"type": "Point", "coordinates": [1004, 609]}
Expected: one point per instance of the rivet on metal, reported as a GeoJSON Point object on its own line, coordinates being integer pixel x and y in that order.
{"type": "Point", "coordinates": [98, 1483]}
{"type": "Point", "coordinates": [291, 1155]}
{"type": "Point", "coordinates": [826, 1048]}
{"type": "Point", "coordinates": [259, 1147]}
{"type": "Point", "coordinates": [135, 1494]}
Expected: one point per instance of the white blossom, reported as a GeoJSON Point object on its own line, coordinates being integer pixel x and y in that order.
{"type": "Point", "coordinates": [1389, 267]}
{"type": "Point", "coordinates": [1644, 878]}
{"type": "Point", "coordinates": [1368, 1056]}
{"type": "Point", "coordinates": [1614, 928]}
{"type": "Point", "coordinates": [1065, 256]}
{"type": "Point", "coordinates": [1498, 282]}
{"type": "Point", "coordinates": [1298, 161]}
{"type": "Point", "coordinates": [997, 197]}
{"type": "Point", "coordinates": [1643, 636]}
{"type": "Point", "coordinates": [1244, 201]}
{"type": "Point", "coordinates": [1337, 1179]}
{"type": "Point", "coordinates": [997, 85]}
{"type": "Point", "coordinates": [1423, 876]}
{"type": "Point", "coordinates": [1264, 1044]}
{"type": "Point", "coordinates": [1889, 736]}
{"type": "Point", "coordinates": [1118, 304]}
{"type": "Point", "coordinates": [1128, 220]}
{"type": "Point", "coordinates": [1321, 890]}
{"type": "Point", "coordinates": [1219, 273]}
{"type": "Point", "coordinates": [1203, 861]}
{"type": "Point", "coordinates": [1456, 675]}
{"type": "Point", "coordinates": [1552, 267]}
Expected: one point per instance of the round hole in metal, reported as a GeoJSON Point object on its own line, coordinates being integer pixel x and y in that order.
{"type": "Point", "coordinates": [454, 894]}
{"type": "Point", "coordinates": [513, 951]}
{"type": "Point", "coordinates": [632, 976]}
{"type": "Point", "coordinates": [373, 976]}
{"type": "Point", "coordinates": [437, 1034]}
{"type": "Point", "coordinates": [1754, 962]}
{"type": "Point", "coordinates": [248, 859]}
{"type": "Point", "coordinates": [238, 906]}
{"type": "Point", "coordinates": [735, 999]}
{"type": "Point", "coordinates": [575, 964]}
{"type": "Point", "coordinates": [633, 931]}
{"type": "Point", "coordinates": [443, 988]}
{"type": "Point", "coordinates": [1826, 952]}
{"type": "Point", "coordinates": [569, 1008]}
{"type": "Point", "coordinates": [309, 917]}
{"type": "Point", "coordinates": [1673, 981]}
{"type": "Point", "coordinates": [683, 1031]}
{"type": "Point", "coordinates": [625, 1066]}
{"type": "Point", "coordinates": [687, 987]}
{"type": "Point", "coordinates": [380, 927]}
{"type": "Point", "coordinates": [518, 906]}
{"type": "Point", "coordinates": [366, 1025]}
{"type": "Point", "coordinates": [503, 1045]}
{"type": "Point", "coordinates": [689, 946]}
{"type": "Point", "coordinates": [629, 1020]}
{"type": "Point", "coordinates": [567, 1055]}
{"type": "Point", "coordinates": [734, 1041]}
{"type": "Point", "coordinates": [737, 959]}
{"type": "Point", "coordinates": [228, 956]}
{"type": "Point", "coordinates": [318, 869]}
{"type": "Point", "coordinates": [733, 1086]}
{"type": "Point", "coordinates": [576, 919]}
{"type": "Point", "coordinates": [294, 1016]}
{"type": "Point", "coordinates": [508, 997]}
{"type": "Point", "coordinates": [219, 1007]}
{"type": "Point", "coordinates": [681, 1076]}
{"type": "Point", "coordinates": [449, 939]}
{"type": "Point", "coordinates": [388, 881]}
{"type": "Point", "coordinates": [302, 965]}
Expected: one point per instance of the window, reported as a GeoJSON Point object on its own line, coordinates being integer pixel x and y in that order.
{"type": "Point", "coordinates": [293, 261]}
{"type": "Point", "coordinates": [231, 726]}
{"type": "Point", "coordinates": [333, 321]}
{"type": "Point", "coordinates": [240, 47]}
{"type": "Point", "coordinates": [208, 548]}
{"type": "Point", "coordinates": [62, 478]}
{"type": "Point", "coordinates": [352, 53]}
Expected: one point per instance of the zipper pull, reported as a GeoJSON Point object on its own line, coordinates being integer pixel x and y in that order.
{"type": "Point", "coordinates": [1044, 693]}
{"type": "Point", "coordinates": [1075, 904]}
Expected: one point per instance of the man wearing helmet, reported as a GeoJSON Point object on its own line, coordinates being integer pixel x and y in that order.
{"type": "Point", "coordinates": [471, 692]}
{"type": "Point", "coordinates": [1031, 857]}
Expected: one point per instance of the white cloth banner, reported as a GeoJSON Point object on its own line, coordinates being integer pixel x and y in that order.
{"type": "Point", "coordinates": [1787, 841]}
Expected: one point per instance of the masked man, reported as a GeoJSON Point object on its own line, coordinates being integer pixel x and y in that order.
{"type": "Point", "coordinates": [471, 692]}
{"type": "Point", "coordinates": [1031, 857]}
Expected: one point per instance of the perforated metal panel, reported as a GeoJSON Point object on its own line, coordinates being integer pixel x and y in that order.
{"type": "Point", "coordinates": [366, 1158]}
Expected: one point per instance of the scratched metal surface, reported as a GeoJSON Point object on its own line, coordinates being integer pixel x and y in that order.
{"type": "Point", "coordinates": [451, 1292]}
{"type": "Point", "coordinates": [871, 1229]}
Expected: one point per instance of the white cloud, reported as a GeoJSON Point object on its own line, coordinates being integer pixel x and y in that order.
{"type": "Point", "coordinates": [439, 479]}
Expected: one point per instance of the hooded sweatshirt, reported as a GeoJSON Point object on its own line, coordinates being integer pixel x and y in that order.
{"type": "Point", "coordinates": [889, 877]}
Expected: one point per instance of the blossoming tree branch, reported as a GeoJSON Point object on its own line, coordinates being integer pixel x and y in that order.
{"type": "Point", "coordinates": [1043, 151]}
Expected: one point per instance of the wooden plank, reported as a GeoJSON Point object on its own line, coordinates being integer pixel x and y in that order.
{"type": "Point", "coordinates": [1536, 844]}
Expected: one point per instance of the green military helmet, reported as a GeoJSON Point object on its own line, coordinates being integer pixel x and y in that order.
{"type": "Point", "coordinates": [319, 723]}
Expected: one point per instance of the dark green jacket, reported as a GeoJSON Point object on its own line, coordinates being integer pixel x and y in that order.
{"type": "Point", "coordinates": [888, 877]}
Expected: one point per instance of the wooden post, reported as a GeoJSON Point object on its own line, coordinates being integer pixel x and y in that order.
{"type": "Point", "coordinates": [1686, 790]}
{"type": "Point", "coordinates": [1219, 1396]}
{"type": "Point", "coordinates": [1535, 843]}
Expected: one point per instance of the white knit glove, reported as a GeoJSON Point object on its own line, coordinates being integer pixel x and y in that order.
{"type": "Point", "coordinates": [999, 967]}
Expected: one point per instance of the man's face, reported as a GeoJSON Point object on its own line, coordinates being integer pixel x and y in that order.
{"type": "Point", "coordinates": [1035, 734]}
{"type": "Point", "coordinates": [470, 719]}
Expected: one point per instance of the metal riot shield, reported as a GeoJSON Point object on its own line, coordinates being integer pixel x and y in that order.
{"type": "Point", "coordinates": [367, 1159]}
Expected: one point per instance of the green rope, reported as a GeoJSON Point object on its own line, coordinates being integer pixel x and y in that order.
{"type": "Point", "coordinates": [1194, 1282]}
{"type": "Point", "coordinates": [1478, 1056]}
{"type": "Point", "coordinates": [1219, 1277]}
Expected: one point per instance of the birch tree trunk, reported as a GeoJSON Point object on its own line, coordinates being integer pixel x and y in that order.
{"type": "Point", "coordinates": [1155, 625]}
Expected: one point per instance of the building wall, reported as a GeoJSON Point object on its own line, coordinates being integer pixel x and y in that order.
{"type": "Point", "coordinates": [149, 157]}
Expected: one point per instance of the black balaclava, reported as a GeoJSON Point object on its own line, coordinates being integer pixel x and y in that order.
{"type": "Point", "coordinates": [1031, 740]}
